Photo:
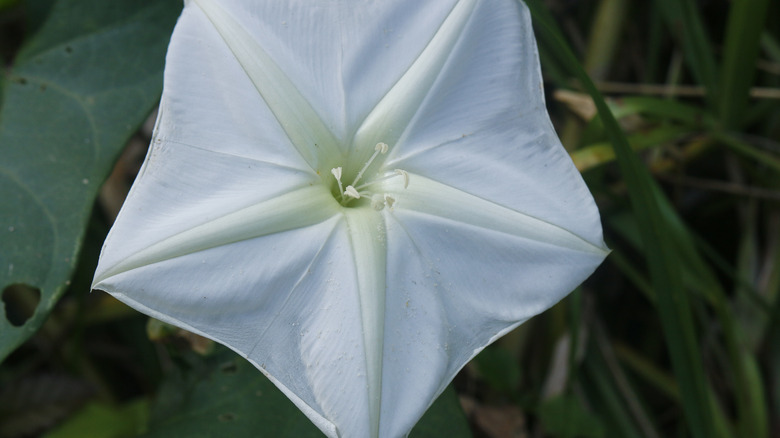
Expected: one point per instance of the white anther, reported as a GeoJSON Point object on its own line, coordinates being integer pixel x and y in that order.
{"type": "Point", "coordinates": [377, 202]}
{"type": "Point", "coordinates": [404, 174]}
{"type": "Point", "coordinates": [351, 192]}
{"type": "Point", "coordinates": [381, 147]}
{"type": "Point", "coordinates": [389, 200]}
{"type": "Point", "coordinates": [336, 171]}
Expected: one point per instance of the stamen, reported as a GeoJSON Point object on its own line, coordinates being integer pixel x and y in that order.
{"type": "Point", "coordinates": [404, 174]}
{"type": "Point", "coordinates": [380, 148]}
{"type": "Point", "coordinates": [354, 191]}
{"type": "Point", "coordinates": [396, 172]}
{"type": "Point", "coordinates": [351, 192]}
{"type": "Point", "coordinates": [336, 171]}
{"type": "Point", "coordinates": [377, 202]}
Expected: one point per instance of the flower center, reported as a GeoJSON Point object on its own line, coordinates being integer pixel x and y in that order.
{"type": "Point", "coordinates": [362, 190]}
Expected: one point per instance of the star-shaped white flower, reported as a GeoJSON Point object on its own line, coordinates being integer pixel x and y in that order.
{"type": "Point", "coordinates": [358, 196]}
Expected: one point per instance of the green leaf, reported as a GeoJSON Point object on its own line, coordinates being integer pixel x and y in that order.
{"type": "Point", "coordinates": [98, 420]}
{"type": "Point", "coordinates": [225, 396]}
{"type": "Point", "coordinates": [80, 87]}
{"type": "Point", "coordinates": [600, 153]}
{"type": "Point", "coordinates": [741, 147]}
{"type": "Point", "coordinates": [685, 22]}
{"type": "Point", "coordinates": [499, 368]}
{"type": "Point", "coordinates": [444, 418]}
{"type": "Point", "coordinates": [565, 417]}
{"type": "Point", "coordinates": [5, 4]}
{"type": "Point", "coordinates": [663, 109]}
{"type": "Point", "coordinates": [603, 395]}
{"type": "Point", "coordinates": [743, 35]}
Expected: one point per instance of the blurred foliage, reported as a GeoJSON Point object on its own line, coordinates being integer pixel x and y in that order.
{"type": "Point", "coordinates": [676, 128]}
{"type": "Point", "coordinates": [225, 396]}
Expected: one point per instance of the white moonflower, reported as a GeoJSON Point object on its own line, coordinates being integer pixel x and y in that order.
{"type": "Point", "coordinates": [357, 196]}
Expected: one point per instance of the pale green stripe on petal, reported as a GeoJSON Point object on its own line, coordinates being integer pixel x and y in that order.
{"type": "Point", "coordinates": [300, 122]}
{"type": "Point", "coordinates": [367, 236]}
{"type": "Point", "coordinates": [431, 197]}
{"type": "Point", "coordinates": [296, 209]}
{"type": "Point", "coordinates": [392, 114]}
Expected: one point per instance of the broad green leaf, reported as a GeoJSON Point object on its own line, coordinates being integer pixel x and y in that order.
{"type": "Point", "coordinates": [225, 396]}
{"type": "Point", "coordinates": [79, 88]}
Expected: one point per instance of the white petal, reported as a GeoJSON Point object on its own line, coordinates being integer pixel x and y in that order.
{"type": "Point", "coordinates": [305, 306]}
{"type": "Point", "coordinates": [275, 300]}
{"type": "Point", "coordinates": [360, 316]}
{"type": "Point", "coordinates": [342, 57]}
{"type": "Point", "coordinates": [295, 209]}
{"type": "Point", "coordinates": [462, 271]}
{"type": "Point", "coordinates": [209, 101]}
{"type": "Point", "coordinates": [182, 187]}
{"type": "Point", "coordinates": [380, 43]}
{"type": "Point", "coordinates": [483, 127]}
{"type": "Point", "coordinates": [389, 119]}
{"type": "Point", "coordinates": [457, 280]}
{"type": "Point", "coordinates": [432, 198]}
{"type": "Point", "coordinates": [303, 126]}
{"type": "Point", "coordinates": [301, 38]}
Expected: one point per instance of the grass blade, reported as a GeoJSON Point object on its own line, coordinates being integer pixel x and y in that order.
{"type": "Point", "coordinates": [684, 20]}
{"type": "Point", "coordinates": [673, 303]}
{"type": "Point", "coordinates": [743, 35]}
